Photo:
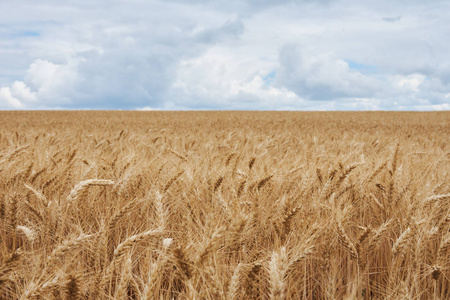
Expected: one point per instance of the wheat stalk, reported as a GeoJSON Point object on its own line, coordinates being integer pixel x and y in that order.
{"type": "Point", "coordinates": [156, 270]}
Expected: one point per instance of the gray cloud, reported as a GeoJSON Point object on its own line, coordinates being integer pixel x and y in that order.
{"type": "Point", "coordinates": [392, 19]}
{"type": "Point", "coordinates": [322, 76]}
{"type": "Point", "coordinates": [325, 77]}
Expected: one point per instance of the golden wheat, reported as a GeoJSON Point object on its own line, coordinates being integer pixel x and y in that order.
{"type": "Point", "coordinates": [224, 205]}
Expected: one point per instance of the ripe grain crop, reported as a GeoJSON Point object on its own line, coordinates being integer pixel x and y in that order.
{"type": "Point", "coordinates": [224, 205]}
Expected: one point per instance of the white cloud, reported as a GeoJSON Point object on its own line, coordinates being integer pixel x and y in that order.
{"type": "Point", "coordinates": [410, 83]}
{"type": "Point", "coordinates": [20, 91]}
{"type": "Point", "coordinates": [52, 81]}
{"type": "Point", "coordinates": [147, 108]}
{"type": "Point", "coordinates": [7, 100]}
{"type": "Point", "coordinates": [220, 80]}
{"type": "Point", "coordinates": [16, 96]}
{"type": "Point", "coordinates": [46, 85]}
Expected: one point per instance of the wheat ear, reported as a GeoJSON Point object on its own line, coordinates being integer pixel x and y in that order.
{"type": "Point", "coordinates": [123, 211]}
{"type": "Point", "coordinates": [66, 247]}
{"type": "Point", "coordinates": [30, 234]}
{"type": "Point", "coordinates": [402, 242]}
{"type": "Point", "coordinates": [376, 238]}
{"type": "Point", "coordinates": [38, 194]}
{"type": "Point", "coordinates": [346, 242]}
{"type": "Point", "coordinates": [433, 199]}
{"type": "Point", "coordinates": [82, 186]}
{"type": "Point", "coordinates": [121, 292]}
{"type": "Point", "coordinates": [235, 283]}
{"type": "Point", "coordinates": [130, 241]}
{"type": "Point", "coordinates": [444, 247]}
{"type": "Point", "coordinates": [278, 267]}
{"type": "Point", "coordinates": [9, 265]}
{"type": "Point", "coordinates": [72, 288]}
{"type": "Point", "coordinates": [121, 250]}
{"type": "Point", "coordinates": [209, 245]}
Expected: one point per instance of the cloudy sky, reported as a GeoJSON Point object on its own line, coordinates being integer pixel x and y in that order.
{"type": "Point", "coordinates": [225, 54]}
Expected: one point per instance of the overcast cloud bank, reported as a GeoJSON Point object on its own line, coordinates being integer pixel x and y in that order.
{"type": "Point", "coordinates": [306, 55]}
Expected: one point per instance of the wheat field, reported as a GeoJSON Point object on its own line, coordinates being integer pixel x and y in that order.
{"type": "Point", "coordinates": [224, 205]}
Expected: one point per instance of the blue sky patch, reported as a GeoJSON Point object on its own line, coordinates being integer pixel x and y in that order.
{"type": "Point", "coordinates": [30, 33]}
{"type": "Point", "coordinates": [269, 78]}
{"type": "Point", "coordinates": [367, 69]}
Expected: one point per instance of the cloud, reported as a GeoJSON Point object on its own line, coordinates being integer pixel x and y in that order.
{"type": "Point", "coordinates": [392, 19]}
{"type": "Point", "coordinates": [45, 85]}
{"type": "Point", "coordinates": [7, 100]}
{"type": "Point", "coordinates": [125, 65]}
{"type": "Point", "coordinates": [52, 82]}
{"type": "Point", "coordinates": [17, 96]}
{"type": "Point", "coordinates": [230, 29]}
{"type": "Point", "coordinates": [237, 54]}
{"type": "Point", "coordinates": [326, 78]}
{"type": "Point", "coordinates": [220, 80]}
{"type": "Point", "coordinates": [321, 76]}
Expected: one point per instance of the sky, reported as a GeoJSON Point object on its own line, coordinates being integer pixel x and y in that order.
{"type": "Point", "coordinates": [225, 54]}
